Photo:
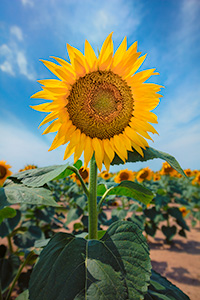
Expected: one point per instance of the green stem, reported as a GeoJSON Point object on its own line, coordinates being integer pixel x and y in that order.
{"type": "Point", "coordinates": [92, 201]}
{"type": "Point", "coordinates": [30, 255]}
{"type": "Point", "coordinates": [10, 244]}
{"type": "Point", "coordinates": [103, 197]}
{"type": "Point", "coordinates": [75, 170]}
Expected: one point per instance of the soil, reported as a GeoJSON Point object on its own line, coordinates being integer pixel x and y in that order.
{"type": "Point", "coordinates": [179, 262]}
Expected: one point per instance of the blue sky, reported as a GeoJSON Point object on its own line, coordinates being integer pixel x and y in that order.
{"type": "Point", "coordinates": [167, 30]}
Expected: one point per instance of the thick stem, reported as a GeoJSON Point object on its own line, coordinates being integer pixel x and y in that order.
{"type": "Point", "coordinates": [92, 201]}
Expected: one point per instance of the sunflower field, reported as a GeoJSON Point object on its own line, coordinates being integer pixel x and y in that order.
{"type": "Point", "coordinates": [75, 231]}
{"type": "Point", "coordinates": [26, 228]}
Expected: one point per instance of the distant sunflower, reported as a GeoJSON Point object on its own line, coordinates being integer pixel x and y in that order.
{"type": "Point", "coordinates": [28, 167]}
{"type": "Point", "coordinates": [156, 176]}
{"type": "Point", "coordinates": [196, 180]}
{"type": "Point", "coordinates": [144, 174]}
{"type": "Point", "coordinates": [167, 169]}
{"type": "Point", "coordinates": [184, 211]}
{"type": "Point", "coordinates": [99, 105]}
{"type": "Point", "coordinates": [105, 175]}
{"type": "Point", "coordinates": [124, 175]}
{"type": "Point", "coordinates": [188, 172]}
{"type": "Point", "coordinates": [4, 171]}
{"type": "Point", "coordinates": [84, 172]}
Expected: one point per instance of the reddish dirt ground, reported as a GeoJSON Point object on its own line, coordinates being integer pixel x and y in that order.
{"type": "Point", "coordinates": [179, 262]}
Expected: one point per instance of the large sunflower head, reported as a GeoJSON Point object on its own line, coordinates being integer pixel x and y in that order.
{"type": "Point", "coordinates": [4, 171]}
{"type": "Point", "coordinates": [99, 105]}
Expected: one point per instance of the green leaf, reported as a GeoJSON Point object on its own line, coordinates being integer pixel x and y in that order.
{"type": "Point", "coordinates": [162, 289]}
{"type": "Point", "coordinates": [13, 193]}
{"type": "Point", "coordinates": [133, 190]}
{"type": "Point", "coordinates": [8, 270]}
{"type": "Point", "coordinates": [150, 153]}
{"type": "Point", "coordinates": [23, 296]}
{"type": "Point", "coordinates": [8, 225]}
{"type": "Point", "coordinates": [7, 212]}
{"type": "Point", "coordinates": [40, 176]}
{"type": "Point", "coordinates": [169, 232]}
{"type": "Point", "coordinates": [101, 189]}
{"type": "Point", "coordinates": [115, 267]}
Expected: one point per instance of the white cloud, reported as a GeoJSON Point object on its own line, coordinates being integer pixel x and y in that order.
{"type": "Point", "coordinates": [27, 2]}
{"type": "Point", "coordinates": [22, 64]}
{"type": "Point", "coordinates": [7, 67]}
{"type": "Point", "coordinates": [20, 147]}
{"type": "Point", "coordinates": [12, 59]}
{"type": "Point", "coordinates": [17, 32]}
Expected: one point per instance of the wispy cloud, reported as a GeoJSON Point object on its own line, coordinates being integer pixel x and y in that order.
{"type": "Point", "coordinates": [27, 2]}
{"type": "Point", "coordinates": [17, 32]}
{"type": "Point", "coordinates": [13, 59]}
{"type": "Point", "coordinates": [19, 146]}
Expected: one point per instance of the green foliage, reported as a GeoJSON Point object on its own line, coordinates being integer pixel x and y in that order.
{"type": "Point", "coordinates": [162, 289]}
{"type": "Point", "coordinates": [115, 267]}
{"type": "Point", "coordinates": [150, 153]}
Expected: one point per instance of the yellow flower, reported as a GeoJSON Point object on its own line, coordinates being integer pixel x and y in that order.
{"type": "Point", "coordinates": [84, 172]}
{"type": "Point", "coordinates": [28, 167]}
{"type": "Point", "coordinates": [105, 175]}
{"type": "Point", "coordinates": [4, 171]}
{"type": "Point", "coordinates": [167, 170]}
{"type": "Point", "coordinates": [188, 172]}
{"type": "Point", "coordinates": [184, 211]}
{"type": "Point", "coordinates": [99, 104]}
{"type": "Point", "coordinates": [156, 176]}
{"type": "Point", "coordinates": [124, 175]}
{"type": "Point", "coordinates": [196, 180]}
{"type": "Point", "coordinates": [144, 174]}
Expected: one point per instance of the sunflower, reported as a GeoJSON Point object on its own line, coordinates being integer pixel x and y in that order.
{"type": "Point", "coordinates": [105, 175]}
{"type": "Point", "coordinates": [188, 172]}
{"type": "Point", "coordinates": [156, 176]}
{"type": "Point", "coordinates": [167, 169]}
{"type": "Point", "coordinates": [144, 174]}
{"type": "Point", "coordinates": [84, 172]}
{"type": "Point", "coordinates": [28, 167]}
{"type": "Point", "coordinates": [184, 211]}
{"type": "Point", "coordinates": [196, 180]}
{"type": "Point", "coordinates": [99, 105]}
{"type": "Point", "coordinates": [124, 175]}
{"type": "Point", "coordinates": [4, 171]}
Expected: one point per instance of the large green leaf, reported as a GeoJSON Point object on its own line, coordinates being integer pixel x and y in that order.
{"type": "Point", "coordinates": [13, 193]}
{"type": "Point", "coordinates": [115, 267]}
{"type": "Point", "coordinates": [162, 289]}
{"type": "Point", "coordinates": [39, 176]}
{"type": "Point", "coordinates": [23, 296]}
{"type": "Point", "coordinates": [129, 189]}
{"type": "Point", "coordinates": [150, 153]}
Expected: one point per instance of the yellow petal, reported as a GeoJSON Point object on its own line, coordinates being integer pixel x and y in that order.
{"type": "Point", "coordinates": [119, 54]}
{"type": "Point", "coordinates": [90, 56]}
{"type": "Point", "coordinates": [45, 107]}
{"type": "Point", "coordinates": [99, 152]}
{"type": "Point", "coordinates": [106, 161]}
{"type": "Point", "coordinates": [69, 151]}
{"type": "Point", "coordinates": [120, 148]}
{"type": "Point", "coordinates": [108, 149]}
{"type": "Point", "coordinates": [80, 147]}
{"type": "Point", "coordinates": [49, 118]}
{"type": "Point", "coordinates": [88, 152]}
{"type": "Point", "coordinates": [53, 127]}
